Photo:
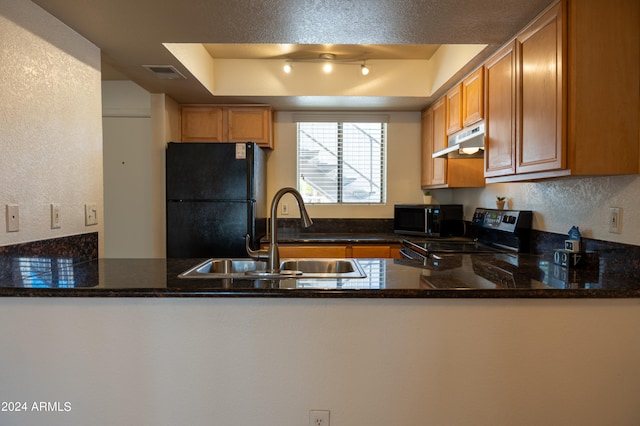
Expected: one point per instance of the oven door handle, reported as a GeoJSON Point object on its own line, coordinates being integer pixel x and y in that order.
{"type": "Point", "coordinates": [405, 253]}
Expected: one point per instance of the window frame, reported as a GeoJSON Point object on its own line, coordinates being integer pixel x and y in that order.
{"type": "Point", "coordinates": [340, 120]}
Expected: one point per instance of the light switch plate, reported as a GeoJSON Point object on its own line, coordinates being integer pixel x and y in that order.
{"type": "Point", "coordinates": [90, 214]}
{"type": "Point", "coordinates": [13, 218]}
{"type": "Point", "coordinates": [55, 215]}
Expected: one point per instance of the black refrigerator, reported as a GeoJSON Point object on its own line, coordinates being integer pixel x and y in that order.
{"type": "Point", "coordinates": [216, 195]}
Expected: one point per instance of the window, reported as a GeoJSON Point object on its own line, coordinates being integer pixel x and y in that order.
{"type": "Point", "coordinates": [342, 162]}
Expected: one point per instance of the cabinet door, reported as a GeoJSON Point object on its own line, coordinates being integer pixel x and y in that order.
{"type": "Point", "coordinates": [500, 113]}
{"type": "Point", "coordinates": [202, 124]}
{"type": "Point", "coordinates": [309, 251]}
{"type": "Point", "coordinates": [439, 169]}
{"type": "Point", "coordinates": [250, 124]}
{"type": "Point", "coordinates": [472, 98]}
{"type": "Point", "coordinates": [426, 147]}
{"type": "Point", "coordinates": [454, 109]}
{"type": "Point", "coordinates": [370, 251]}
{"type": "Point", "coordinates": [540, 142]}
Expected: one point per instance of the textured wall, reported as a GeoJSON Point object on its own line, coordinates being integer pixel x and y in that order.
{"type": "Point", "coordinates": [560, 204]}
{"type": "Point", "coordinates": [50, 123]}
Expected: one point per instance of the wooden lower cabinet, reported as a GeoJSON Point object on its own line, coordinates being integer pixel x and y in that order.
{"type": "Point", "coordinates": [374, 251]}
{"type": "Point", "coordinates": [304, 250]}
{"type": "Point", "coordinates": [340, 251]}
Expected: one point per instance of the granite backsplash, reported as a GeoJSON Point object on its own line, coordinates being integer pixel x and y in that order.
{"type": "Point", "coordinates": [341, 226]}
{"type": "Point", "coordinates": [70, 249]}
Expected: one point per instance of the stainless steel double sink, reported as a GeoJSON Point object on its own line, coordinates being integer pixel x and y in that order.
{"type": "Point", "coordinates": [289, 268]}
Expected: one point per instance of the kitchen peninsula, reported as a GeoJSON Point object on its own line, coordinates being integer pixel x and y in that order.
{"type": "Point", "coordinates": [391, 350]}
{"type": "Point", "coordinates": [404, 336]}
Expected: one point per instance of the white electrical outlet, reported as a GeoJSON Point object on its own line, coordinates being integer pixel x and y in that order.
{"type": "Point", "coordinates": [615, 220]}
{"type": "Point", "coordinates": [319, 418]}
{"type": "Point", "coordinates": [284, 208]}
{"type": "Point", "coordinates": [55, 215]}
{"type": "Point", "coordinates": [13, 218]}
{"type": "Point", "coordinates": [90, 214]}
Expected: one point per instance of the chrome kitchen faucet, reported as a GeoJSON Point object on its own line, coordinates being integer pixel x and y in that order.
{"type": "Point", "coordinates": [272, 253]}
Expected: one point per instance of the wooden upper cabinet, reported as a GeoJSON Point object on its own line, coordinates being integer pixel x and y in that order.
{"type": "Point", "coordinates": [439, 165]}
{"type": "Point", "coordinates": [250, 124]}
{"type": "Point", "coordinates": [577, 94]}
{"type": "Point", "coordinates": [202, 124]}
{"type": "Point", "coordinates": [453, 100]}
{"type": "Point", "coordinates": [209, 123]}
{"type": "Point", "coordinates": [472, 98]}
{"type": "Point", "coordinates": [500, 112]}
{"type": "Point", "coordinates": [445, 172]}
{"type": "Point", "coordinates": [540, 53]}
{"type": "Point", "coordinates": [603, 74]}
{"type": "Point", "coordinates": [426, 147]}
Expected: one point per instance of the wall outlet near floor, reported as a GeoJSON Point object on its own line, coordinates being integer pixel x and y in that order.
{"type": "Point", "coordinates": [55, 215]}
{"type": "Point", "coordinates": [13, 218]}
{"type": "Point", "coordinates": [90, 214]}
{"type": "Point", "coordinates": [319, 418]}
{"type": "Point", "coordinates": [615, 220]}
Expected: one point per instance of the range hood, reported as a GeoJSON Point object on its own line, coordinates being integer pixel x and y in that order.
{"type": "Point", "coordinates": [464, 144]}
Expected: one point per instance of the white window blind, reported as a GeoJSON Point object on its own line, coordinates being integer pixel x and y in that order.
{"type": "Point", "coordinates": [342, 162]}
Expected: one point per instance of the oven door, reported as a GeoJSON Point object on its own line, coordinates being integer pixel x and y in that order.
{"type": "Point", "coordinates": [423, 248]}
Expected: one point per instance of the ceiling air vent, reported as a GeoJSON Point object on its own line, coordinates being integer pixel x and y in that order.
{"type": "Point", "coordinates": [165, 72]}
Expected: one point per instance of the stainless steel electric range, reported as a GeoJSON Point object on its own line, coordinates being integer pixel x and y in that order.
{"type": "Point", "coordinates": [488, 256]}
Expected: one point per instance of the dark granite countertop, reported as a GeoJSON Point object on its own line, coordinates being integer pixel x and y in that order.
{"type": "Point", "coordinates": [457, 276]}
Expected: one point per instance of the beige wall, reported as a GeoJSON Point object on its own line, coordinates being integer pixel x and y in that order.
{"type": "Point", "coordinates": [50, 127]}
{"type": "Point", "coordinates": [403, 167]}
{"type": "Point", "coordinates": [137, 126]}
{"type": "Point", "coordinates": [230, 362]}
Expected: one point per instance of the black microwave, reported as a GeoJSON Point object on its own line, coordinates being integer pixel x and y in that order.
{"type": "Point", "coordinates": [429, 220]}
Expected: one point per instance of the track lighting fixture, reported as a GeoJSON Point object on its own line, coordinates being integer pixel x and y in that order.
{"type": "Point", "coordinates": [327, 60]}
{"type": "Point", "coordinates": [364, 69]}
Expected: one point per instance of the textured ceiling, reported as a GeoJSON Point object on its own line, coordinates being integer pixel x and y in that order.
{"type": "Point", "coordinates": [131, 33]}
